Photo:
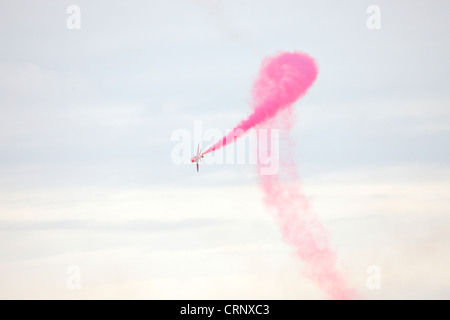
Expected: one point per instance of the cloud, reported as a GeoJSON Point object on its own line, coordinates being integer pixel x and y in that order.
{"type": "Point", "coordinates": [85, 126]}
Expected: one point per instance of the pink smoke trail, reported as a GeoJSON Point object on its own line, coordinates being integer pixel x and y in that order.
{"type": "Point", "coordinates": [300, 226]}
{"type": "Point", "coordinates": [282, 80]}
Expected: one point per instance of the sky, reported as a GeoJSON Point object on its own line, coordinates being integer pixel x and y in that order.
{"type": "Point", "coordinates": [87, 177]}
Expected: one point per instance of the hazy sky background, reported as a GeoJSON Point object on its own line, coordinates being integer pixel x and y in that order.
{"type": "Point", "coordinates": [86, 176]}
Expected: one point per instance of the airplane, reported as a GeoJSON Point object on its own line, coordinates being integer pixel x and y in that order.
{"type": "Point", "coordinates": [198, 156]}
